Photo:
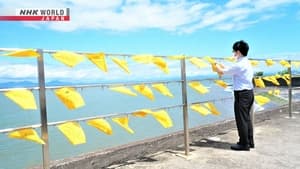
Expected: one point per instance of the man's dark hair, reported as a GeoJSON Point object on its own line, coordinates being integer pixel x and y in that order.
{"type": "Point", "coordinates": [241, 46]}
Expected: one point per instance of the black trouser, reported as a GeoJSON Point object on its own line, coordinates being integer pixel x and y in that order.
{"type": "Point", "coordinates": [243, 101]}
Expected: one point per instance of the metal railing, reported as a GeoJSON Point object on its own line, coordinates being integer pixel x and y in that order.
{"type": "Point", "coordinates": [43, 103]}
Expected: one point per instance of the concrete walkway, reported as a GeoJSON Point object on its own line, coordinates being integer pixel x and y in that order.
{"type": "Point", "coordinates": [277, 146]}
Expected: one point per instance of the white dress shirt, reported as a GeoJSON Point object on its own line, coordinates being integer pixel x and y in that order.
{"type": "Point", "coordinates": [242, 73]}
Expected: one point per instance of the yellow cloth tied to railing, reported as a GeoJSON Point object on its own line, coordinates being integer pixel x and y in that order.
{"type": "Point", "coordinates": [99, 60]}
{"type": "Point", "coordinates": [254, 63]}
{"type": "Point", "coordinates": [198, 62]}
{"type": "Point", "coordinates": [101, 125]}
{"type": "Point", "coordinates": [198, 87]}
{"type": "Point", "coordinates": [209, 59]}
{"type": "Point", "coordinates": [26, 134]}
{"type": "Point", "coordinates": [68, 58]}
{"type": "Point", "coordinates": [269, 62]}
{"type": "Point", "coordinates": [123, 122]}
{"type": "Point", "coordinates": [259, 82]}
{"type": "Point", "coordinates": [70, 97]}
{"type": "Point", "coordinates": [211, 107]}
{"type": "Point", "coordinates": [230, 59]}
{"type": "Point", "coordinates": [287, 78]}
{"type": "Point", "coordinates": [121, 63]}
{"type": "Point", "coordinates": [144, 90]}
{"type": "Point", "coordinates": [200, 109]}
{"type": "Point", "coordinates": [124, 90]}
{"type": "Point", "coordinates": [285, 63]}
{"type": "Point", "coordinates": [163, 118]}
{"type": "Point", "coordinates": [161, 63]}
{"type": "Point", "coordinates": [141, 113]}
{"type": "Point", "coordinates": [143, 58]}
{"type": "Point", "coordinates": [261, 100]}
{"type": "Point", "coordinates": [176, 57]}
{"type": "Point", "coordinates": [272, 79]}
{"type": "Point", "coordinates": [160, 87]}
{"type": "Point", "coordinates": [22, 97]}
{"type": "Point", "coordinates": [221, 83]}
{"type": "Point", "coordinates": [23, 53]}
{"type": "Point", "coordinates": [73, 132]}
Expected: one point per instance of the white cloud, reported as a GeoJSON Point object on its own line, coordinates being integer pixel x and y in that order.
{"type": "Point", "coordinates": [171, 15]}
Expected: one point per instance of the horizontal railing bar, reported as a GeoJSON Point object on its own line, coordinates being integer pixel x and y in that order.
{"type": "Point", "coordinates": [85, 119]}
{"type": "Point", "coordinates": [212, 100]}
{"type": "Point", "coordinates": [94, 85]}
{"type": "Point", "coordinates": [129, 55]}
{"type": "Point", "coordinates": [109, 84]}
{"type": "Point", "coordinates": [18, 128]}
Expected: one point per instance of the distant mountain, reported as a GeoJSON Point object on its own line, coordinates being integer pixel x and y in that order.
{"type": "Point", "coordinates": [19, 84]}
{"type": "Point", "coordinates": [24, 84]}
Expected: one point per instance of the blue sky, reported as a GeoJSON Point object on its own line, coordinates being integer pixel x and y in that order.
{"type": "Point", "coordinates": [197, 28]}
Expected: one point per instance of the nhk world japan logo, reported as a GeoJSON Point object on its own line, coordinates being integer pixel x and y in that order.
{"type": "Point", "coordinates": [38, 14]}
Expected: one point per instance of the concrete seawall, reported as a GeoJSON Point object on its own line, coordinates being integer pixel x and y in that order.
{"type": "Point", "coordinates": [134, 150]}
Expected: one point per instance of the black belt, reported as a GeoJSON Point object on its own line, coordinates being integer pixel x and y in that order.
{"type": "Point", "coordinates": [238, 91]}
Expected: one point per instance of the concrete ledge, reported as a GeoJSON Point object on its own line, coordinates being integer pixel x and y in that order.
{"type": "Point", "coordinates": [134, 150]}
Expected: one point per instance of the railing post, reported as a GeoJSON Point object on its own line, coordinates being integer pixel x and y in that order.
{"type": "Point", "coordinates": [185, 111]}
{"type": "Point", "coordinates": [43, 109]}
{"type": "Point", "coordinates": [290, 89]}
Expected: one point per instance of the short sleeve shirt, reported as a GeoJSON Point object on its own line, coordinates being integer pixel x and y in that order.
{"type": "Point", "coordinates": [242, 74]}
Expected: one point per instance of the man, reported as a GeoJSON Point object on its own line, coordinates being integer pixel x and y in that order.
{"type": "Point", "coordinates": [242, 74]}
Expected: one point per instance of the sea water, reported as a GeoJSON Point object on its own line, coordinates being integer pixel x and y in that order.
{"type": "Point", "coordinates": [17, 154]}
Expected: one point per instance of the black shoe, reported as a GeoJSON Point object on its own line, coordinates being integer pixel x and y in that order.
{"type": "Point", "coordinates": [251, 145]}
{"type": "Point", "coordinates": [239, 147]}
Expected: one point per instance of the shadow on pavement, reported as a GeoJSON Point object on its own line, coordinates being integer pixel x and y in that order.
{"type": "Point", "coordinates": [213, 144]}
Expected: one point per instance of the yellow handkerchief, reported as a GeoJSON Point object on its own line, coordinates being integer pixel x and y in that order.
{"type": "Point", "coordinates": [198, 87]}
{"type": "Point", "coordinates": [23, 97]}
{"type": "Point", "coordinates": [124, 123]}
{"type": "Point", "coordinates": [99, 60]}
{"type": "Point", "coordinates": [259, 82]}
{"type": "Point", "coordinates": [261, 100]}
{"type": "Point", "coordinates": [124, 90]}
{"type": "Point", "coordinates": [143, 58]}
{"type": "Point", "coordinates": [142, 113]}
{"type": "Point", "coordinates": [286, 78]}
{"type": "Point", "coordinates": [73, 132]}
{"type": "Point", "coordinates": [144, 90]}
{"type": "Point", "coordinates": [211, 107]}
{"type": "Point", "coordinates": [160, 87]}
{"type": "Point", "coordinates": [272, 79]}
{"type": "Point", "coordinates": [176, 57]}
{"type": "Point", "coordinates": [230, 59]}
{"type": "Point", "coordinates": [285, 63]}
{"type": "Point", "coordinates": [209, 59]}
{"type": "Point", "coordinates": [163, 118]}
{"type": "Point", "coordinates": [269, 62]}
{"type": "Point", "coordinates": [70, 97]}
{"type": "Point", "coordinates": [200, 109]}
{"type": "Point", "coordinates": [221, 83]}
{"type": "Point", "coordinates": [121, 63]}
{"type": "Point", "coordinates": [26, 134]}
{"type": "Point", "coordinates": [198, 62]}
{"type": "Point", "coordinates": [101, 125]}
{"type": "Point", "coordinates": [23, 53]}
{"type": "Point", "coordinates": [254, 63]}
{"type": "Point", "coordinates": [161, 63]}
{"type": "Point", "coordinates": [70, 59]}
